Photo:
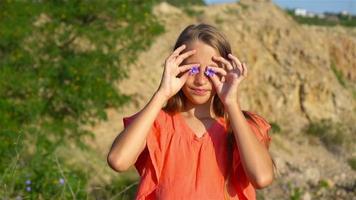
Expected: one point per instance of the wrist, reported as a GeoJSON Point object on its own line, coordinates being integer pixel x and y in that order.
{"type": "Point", "coordinates": [159, 95]}
{"type": "Point", "coordinates": [232, 105]}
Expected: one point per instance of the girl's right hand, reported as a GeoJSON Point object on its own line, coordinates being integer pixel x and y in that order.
{"type": "Point", "coordinates": [170, 83]}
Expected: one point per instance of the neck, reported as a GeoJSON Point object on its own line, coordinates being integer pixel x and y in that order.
{"type": "Point", "coordinates": [200, 111]}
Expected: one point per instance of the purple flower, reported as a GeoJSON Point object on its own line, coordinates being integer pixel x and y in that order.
{"type": "Point", "coordinates": [28, 182]}
{"type": "Point", "coordinates": [28, 188]}
{"type": "Point", "coordinates": [210, 72]}
{"type": "Point", "coordinates": [194, 70]}
{"type": "Point", "coordinates": [61, 181]}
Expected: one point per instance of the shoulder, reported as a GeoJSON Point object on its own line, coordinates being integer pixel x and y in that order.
{"type": "Point", "coordinates": [161, 117]}
{"type": "Point", "coordinates": [257, 119]}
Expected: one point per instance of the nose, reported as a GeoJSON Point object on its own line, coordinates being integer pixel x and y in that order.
{"type": "Point", "coordinates": [200, 78]}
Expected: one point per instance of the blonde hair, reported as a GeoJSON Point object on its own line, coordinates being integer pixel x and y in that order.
{"type": "Point", "coordinates": [214, 38]}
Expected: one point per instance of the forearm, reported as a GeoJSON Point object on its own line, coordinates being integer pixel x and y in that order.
{"type": "Point", "coordinates": [254, 156]}
{"type": "Point", "coordinates": [131, 141]}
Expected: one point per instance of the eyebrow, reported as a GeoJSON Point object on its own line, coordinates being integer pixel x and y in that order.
{"type": "Point", "coordinates": [214, 64]}
{"type": "Point", "coordinates": [210, 64]}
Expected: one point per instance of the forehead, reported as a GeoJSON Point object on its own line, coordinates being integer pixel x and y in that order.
{"type": "Point", "coordinates": [204, 52]}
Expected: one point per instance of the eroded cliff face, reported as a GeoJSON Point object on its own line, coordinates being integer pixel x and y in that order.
{"type": "Point", "coordinates": [291, 79]}
{"type": "Point", "coordinates": [291, 82]}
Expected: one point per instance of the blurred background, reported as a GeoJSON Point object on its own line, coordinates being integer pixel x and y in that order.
{"type": "Point", "coordinates": [71, 70]}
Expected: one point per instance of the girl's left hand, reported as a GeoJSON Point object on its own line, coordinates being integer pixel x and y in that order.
{"type": "Point", "coordinates": [232, 75]}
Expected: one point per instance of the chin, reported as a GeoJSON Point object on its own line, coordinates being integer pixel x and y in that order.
{"type": "Point", "coordinates": [198, 100]}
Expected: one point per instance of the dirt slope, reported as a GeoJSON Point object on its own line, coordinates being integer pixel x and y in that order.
{"type": "Point", "coordinates": [290, 83]}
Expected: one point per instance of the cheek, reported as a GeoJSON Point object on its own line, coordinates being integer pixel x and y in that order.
{"type": "Point", "coordinates": [190, 81]}
{"type": "Point", "coordinates": [185, 91]}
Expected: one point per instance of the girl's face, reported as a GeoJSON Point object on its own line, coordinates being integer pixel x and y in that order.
{"type": "Point", "coordinates": [198, 88]}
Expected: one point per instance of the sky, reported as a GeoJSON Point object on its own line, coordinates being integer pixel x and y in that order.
{"type": "Point", "coordinates": [316, 6]}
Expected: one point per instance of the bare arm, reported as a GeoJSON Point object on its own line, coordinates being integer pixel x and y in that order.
{"type": "Point", "coordinates": [255, 157]}
{"type": "Point", "coordinates": [129, 144]}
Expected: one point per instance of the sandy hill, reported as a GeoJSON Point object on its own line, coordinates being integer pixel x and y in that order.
{"type": "Point", "coordinates": [291, 82]}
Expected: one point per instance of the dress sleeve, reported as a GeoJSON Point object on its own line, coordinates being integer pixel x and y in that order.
{"type": "Point", "coordinates": [150, 162]}
{"type": "Point", "coordinates": [243, 186]}
{"type": "Point", "coordinates": [260, 128]}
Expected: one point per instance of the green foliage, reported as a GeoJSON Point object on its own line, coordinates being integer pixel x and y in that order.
{"type": "Point", "coordinates": [219, 20]}
{"type": "Point", "coordinates": [185, 3]}
{"type": "Point", "coordinates": [352, 163]}
{"type": "Point", "coordinates": [275, 127]}
{"type": "Point", "coordinates": [122, 188]}
{"type": "Point", "coordinates": [329, 20]}
{"type": "Point", "coordinates": [192, 12]}
{"type": "Point", "coordinates": [295, 192]}
{"type": "Point", "coordinates": [59, 62]}
{"type": "Point", "coordinates": [31, 176]}
{"type": "Point", "coordinates": [338, 74]}
{"type": "Point", "coordinates": [333, 135]}
{"type": "Point", "coordinates": [243, 6]}
{"type": "Point", "coordinates": [323, 184]}
{"type": "Point", "coordinates": [232, 11]}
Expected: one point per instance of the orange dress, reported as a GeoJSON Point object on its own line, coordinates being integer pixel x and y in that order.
{"type": "Point", "coordinates": [177, 164]}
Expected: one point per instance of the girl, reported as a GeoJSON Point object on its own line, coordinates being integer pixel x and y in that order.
{"type": "Point", "coordinates": [193, 140]}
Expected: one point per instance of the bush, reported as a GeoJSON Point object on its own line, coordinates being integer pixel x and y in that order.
{"type": "Point", "coordinates": [59, 63]}
{"type": "Point", "coordinates": [352, 163]}
{"type": "Point", "coordinates": [275, 127]}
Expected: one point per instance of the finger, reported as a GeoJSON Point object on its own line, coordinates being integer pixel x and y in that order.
{"type": "Point", "coordinates": [218, 70]}
{"type": "Point", "coordinates": [184, 68]}
{"type": "Point", "coordinates": [216, 81]}
{"type": "Point", "coordinates": [245, 69]}
{"type": "Point", "coordinates": [224, 61]}
{"type": "Point", "coordinates": [234, 58]}
{"type": "Point", "coordinates": [185, 55]}
{"type": "Point", "coordinates": [177, 52]}
{"type": "Point", "coordinates": [223, 79]}
{"type": "Point", "coordinates": [236, 61]}
{"type": "Point", "coordinates": [183, 78]}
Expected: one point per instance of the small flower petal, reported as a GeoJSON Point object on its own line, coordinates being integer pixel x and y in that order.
{"type": "Point", "coordinates": [61, 181]}
{"type": "Point", "coordinates": [194, 70]}
{"type": "Point", "coordinates": [210, 72]}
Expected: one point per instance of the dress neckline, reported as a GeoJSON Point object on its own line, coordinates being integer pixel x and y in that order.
{"type": "Point", "coordinates": [192, 133]}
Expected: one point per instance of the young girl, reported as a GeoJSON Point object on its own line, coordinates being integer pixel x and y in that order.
{"type": "Point", "coordinates": [193, 140]}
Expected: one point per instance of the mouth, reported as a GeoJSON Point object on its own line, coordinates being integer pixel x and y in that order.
{"type": "Point", "coordinates": [199, 91]}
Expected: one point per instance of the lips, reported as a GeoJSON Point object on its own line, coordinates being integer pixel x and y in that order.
{"type": "Point", "coordinates": [199, 91]}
